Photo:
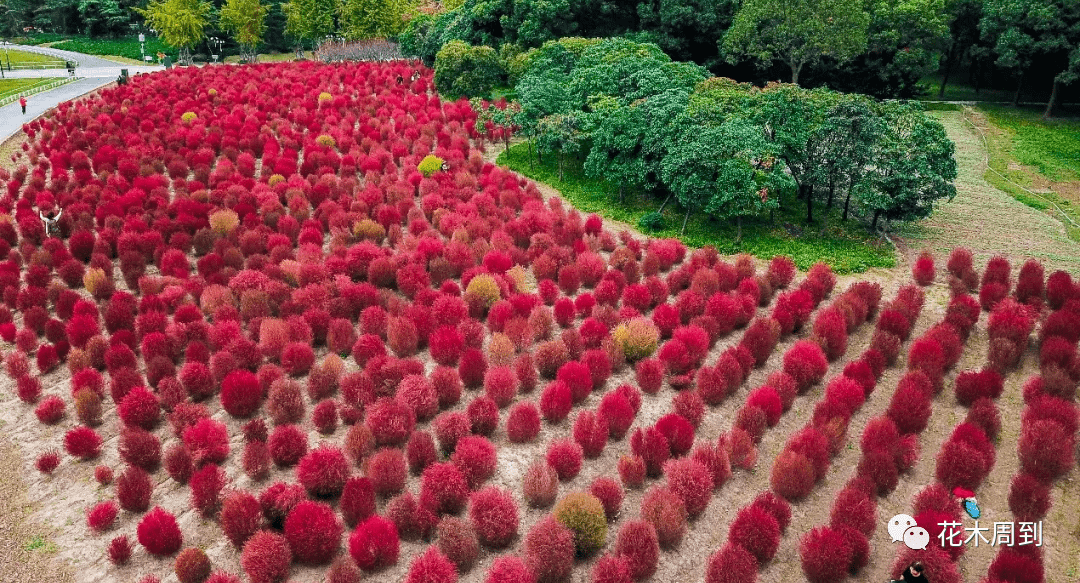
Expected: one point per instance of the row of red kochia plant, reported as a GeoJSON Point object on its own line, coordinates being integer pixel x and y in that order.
{"type": "Point", "coordinates": [1048, 431]}
{"type": "Point", "coordinates": [756, 531]}
{"type": "Point", "coordinates": [664, 514]}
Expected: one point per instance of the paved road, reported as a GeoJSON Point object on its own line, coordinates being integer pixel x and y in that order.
{"type": "Point", "coordinates": [12, 118]}
{"type": "Point", "coordinates": [84, 60]}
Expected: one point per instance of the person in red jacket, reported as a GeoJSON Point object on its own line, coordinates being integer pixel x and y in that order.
{"type": "Point", "coordinates": [22, 102]}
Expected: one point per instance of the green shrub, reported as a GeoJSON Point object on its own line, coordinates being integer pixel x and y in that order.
{"type": "Point", "coordinates": [636, 338]}
{"type": "Point", "coordinates": [430, 165]}
{"type": "Point", "coordinates": [461, 69]}
{"type": "Point", "coordinates": [653, 221]}
{"type": "Point", "coordinates": [584, 515]}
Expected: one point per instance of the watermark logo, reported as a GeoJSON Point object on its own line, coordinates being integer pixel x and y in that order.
{"type": "Point", "coordinates": [954, 534]}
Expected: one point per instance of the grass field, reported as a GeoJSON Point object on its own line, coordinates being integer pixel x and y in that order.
{"type": "Point", "coordinates": [125, 47]}
{"type": "Point", "coordinates": [26, 60]}
{"type": "Point", "coordinates": [848, 248]}
{"type": "Point", "coordinates": [269, 57]}
{"type": "Point", "coordinates": [9, 87]}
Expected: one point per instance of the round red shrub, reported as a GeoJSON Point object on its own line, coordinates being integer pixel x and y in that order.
{"type": "Point", "coordinates": [50, 410]}
{"type": "Point", "coordinates": [432, 566]}
{"type": "Point", "coordinates": [374, 544]}
{"type": "Point", "coordinates": [241, 393]}
{"type": "Point", "coordinates": [387, 470]}
{"type": "Point", "coordinates": [611, 569]}
{"type": "Point", "coordinates": [206, 486]}
{"type": "Point", "coordinates": [510, 569]}
{"type": "Point", "coordinates": [938, 565]}
{"type": "Point", "coordinates": [83, 443]}
{"type": "Point", "coordinates": [420, 451]}
{"type": "Point", "coordinates": [880, 467]}
{"type": "Point", "coordinates": [140, 408]}
{"type": "Point", "coordinates": [564, 455]}
{"type": "Point", "coordinates": [493, 513]}
{"type": "Point", "coordinates": [649, 373]}
{"type": "Point", "coordinates": [757, 531]}
{"type": "Point", "coordinates": [266, 558]}
{"type": "Point", "coordinates": [923, 269]}
{"type": "Point", "coordinates": [475, 456]}
{"type": "Point", "coordinates": [792, 475]}
{"type": "Point", "coordinates": [1029, 498]}
{"type": "Point", "coordinates": [445, 486]}
{"type": "Point", "coordinates": [288, 444]}
{"type": "Point", "coordinates": [457, 540]}
{"type": "Point", "coordinates": [665, 511]}
{"type": "Point", "coordinates": [472, 367]}
{"type": "Point", "coordinates": [323, 471]}
{"type": "Point", "coordinates": [910, 406]}
{"type": "Point", "coordinates": [549, 550]}
{"type": "Point", "coordinates": [691, 481]}
{"type": "Point", "coordinates": [1045, 449]}
{"type": "Point", "coordinates": [501, 384]}
{"type": "Point", "coordinates": [192, 566]}
{"type": "Point", "coordinates": [825, 555]}
{"type": "Point", "coordinates": [638, 545]}
{"type": "Point", "coordinates": [313, 532]}
{"type": "Point", "coordinates": [540, 484]}
{"type": "Point", "coordinates": [768, 400]}
{"type": "Point", "coordinates": [806, 363]}
{"type": "Point", "coordinates": [241, 517]}
{"type": "Point", "coordinates": [556, 401]}
{"type": "Point", "coordinates": [207, 441]}
{"type": "Point", "coordinates": [101, 516]}
{"type": "Point", "coordinates": [523, 422]}
{"type": "Point", "coordinates": [158, 532]}
{"type": "Point", "coordinates": [483, 415]}
{"type": "Point", "coordinates": [119, 550]}
{"type": "Point", "coordinates": [731, 564]}
{"type": "Point", "coordinates": [390, 421]}
{"type": "Point", "coordinates": [591, 433]}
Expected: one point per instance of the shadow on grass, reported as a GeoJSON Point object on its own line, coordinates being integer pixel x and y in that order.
{"type": "Point", "coordinates": [846, 247]}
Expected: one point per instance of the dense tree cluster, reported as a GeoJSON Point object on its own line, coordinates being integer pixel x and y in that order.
{"type": "Point", "coordinates": [645, 122]}
{"type": "Point", "coordinates": [877, 47]}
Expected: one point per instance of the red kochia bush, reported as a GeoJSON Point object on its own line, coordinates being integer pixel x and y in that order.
{"type": "Point", "coordinates": [591, 433]}
{"type": "Point", "coordinates": [556, 401]}
{"type": "Point", "coordinates": [100, 517]}
{"type": "Point", "coordinates": [806, 363]}
{"type": "Point", "coordinates": [731, 564]}
{"type": "Point", "coordinates": [83, 443]}
{"type": "Point", "coordinates": [206, 486]}
{"type": "Point", "coordinates": [445, 487]}
{"type": "Point", "coordinates": [825, 555]}
{"type": "Point", "coordinates": [564, 456]}
{"type": "Point", "coordinates": [390, 421]}
{"type": "Point", "coordinates": [323, 471]}
{"type": "Point", "coordinates": [549, 550]}
{"type": "Point", "coordinates": [192, 566]}
{"type": "Point", "coordinates": [241, 393]}
{"type": "Point", "coordinates": [661, 507]}
{"type": "Point", "coordinates": [493, 513]}
{"type": "Point", "coordinates": [374, 544]}
{"type": "Point", "coordinates": [910, 406]}
{"type": "Point", "coordinates": [159, 533]}
{"type": "Point", "coordinates": [241, 517]}
{"type": "Point", "coordinates": [119, 550]}
{"type": "Point", "coordinates": [266, 558]}
{"type": "Point", "coordinates": [923, 270]}
{"type": "Point", "coordinates": [313, 532]}
{"type": "Point", "coordinates": [475, 456]}
{"type": "Point", "coordinates": [639, 546]}
{"type": "Point", "coordinates": [830, 328]}
{"type": "Point", "coordinates": [757, 531]}
{"type": "Point", "coordinates": [287, 445]}
{"type": "Point", "coordinates": [1045, 449]}
{"type": "Point", "coordinates": [50, 410]}
{"type": "Point", "coordinates": [691, 481]}
{"type": "Point", "coordinates": [207, 441]}
{"type": "Point", "coordinates": [1029, 498]}
{"type": "Point", "coordinates": [974, 385]}
{"type": "Point", "coordinates": [523, 422]}
{"type": "Point", "coordinates": [792, 475]}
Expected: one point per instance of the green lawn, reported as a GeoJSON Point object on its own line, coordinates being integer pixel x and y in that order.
{"type": "Point", "coordinates": [9, 87]}
{"type": "Point", "coordinates": [1029, 147]}
{"type": "Point", "coordinates": [269, 57]}
{"type": "Point", "coordinates": [124, 47]}
{"type": "Point", "coordinates": [955, 91]}
{"type": "Point", "coordinates": [26, 60]}
{"type": "Point", "coordinates": [847, 248]}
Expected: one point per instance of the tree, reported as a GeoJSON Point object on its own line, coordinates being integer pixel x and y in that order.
{"type": "Point", "coordinates": [797, 32]}
{"type": "Point", "coordinates": [792, 119]}
{"type": "Point", "coordinates": [1025, 30]}
{"type": "Point", "coordinates": [850, 133]}
{"type": "Point", "coordinates": [630, 141]}
{"type": "Point", "coordinates": [102, 17]}
{"type": "Point", "coordinates": [727, 170]}
{"type": "Point", "coordinates": [361, 19]}
{"type": "Point", "coordinates": [246, 21]}
{"type": "Point", "coordinates": [308, 21]}
{"type": "Point", "coordinates": [912, 167]}
{"type": "Point", "coordinates": [560, 134]}
{"type": "Point", "coordinates": [686, 29]}
{"type": "Point", "coordinates": [963, 34]}
{"type": "Point", "coordinates": [461, 69]}
{"type": "Point", "coordinates": [180, 23]}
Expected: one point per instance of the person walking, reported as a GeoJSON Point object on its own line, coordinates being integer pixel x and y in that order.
{"type": "Point", "coordinates": [22, 102]}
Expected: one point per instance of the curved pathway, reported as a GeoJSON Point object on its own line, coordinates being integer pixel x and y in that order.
{"type": "Point", "coordinates": [92, 73]}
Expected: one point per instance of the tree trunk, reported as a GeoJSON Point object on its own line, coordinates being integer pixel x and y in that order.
{"type": "Point", "coordinates": [738, 229]}
{"type": "Point", "coordinates": [948, 69]}
{"type": "Point", "coordinates": [795, 73]}
{"type": "Point", "coordinates": [686, 218]}
{"type": "Point", "coordinates": [832, 191]}
{"type": "Point", "coordinates": [847, 201]}
{"type": "Point", "coordinates": [810, 204]}
{"type": "Point", "coordinates": [622, 192]}
{"type": "Point", "coordinates": [976, 72]}
{"type": "Point", "coordinates": [1019, 86]}
{"type": "Point", "coordinates": [1052, 104]}
{"type": "Point", "coordinates": [664, 204]}
{"type": "Point", "coordinates": [873, 225]}
{"type": "Point", "coordinates": [559, 162]}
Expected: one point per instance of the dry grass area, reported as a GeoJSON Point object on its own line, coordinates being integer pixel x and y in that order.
{"type": "Point", "coordinates": [986, 220]}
